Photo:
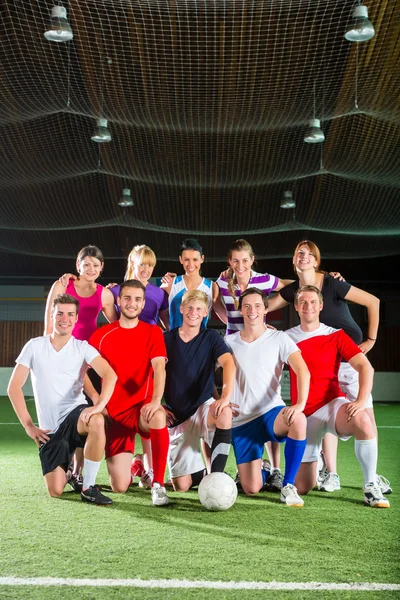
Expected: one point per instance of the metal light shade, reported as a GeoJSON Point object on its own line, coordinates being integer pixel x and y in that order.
{"type": "Point", "coordinates": [102, 133]}
{"type": "Point", "coordinates": [314, 135]}
{"type": "Point", "coordinates": [288, 200]}
{"type": "Point", "coordinates": [361, 28]}
{"type": "Point", "coordinates": [60, 30]}
{"type": "Point", "coordinates": [126, 199]}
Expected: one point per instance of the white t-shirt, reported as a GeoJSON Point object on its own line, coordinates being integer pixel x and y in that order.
{"type": "Point", "coordinates": [259, 366]}
{"type": "Point", "coordinates": [57, 377]}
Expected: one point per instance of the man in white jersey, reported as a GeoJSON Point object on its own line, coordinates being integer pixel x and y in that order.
{"type": "Point", "coordinates": [58, 363]}
{"type": "Point", "coordinates": [260, 354]}
{"type": "Point", "coordinates": [327, 408]}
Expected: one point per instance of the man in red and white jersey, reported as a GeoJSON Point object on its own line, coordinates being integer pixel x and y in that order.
{"type": "Point", "coordinates": [327, 409]}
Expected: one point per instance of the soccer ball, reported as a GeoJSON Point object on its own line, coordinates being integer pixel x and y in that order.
{"type": "Point", "coordinates": [217, 491]}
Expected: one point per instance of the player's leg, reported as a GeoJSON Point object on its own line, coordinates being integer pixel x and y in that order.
{"type": "Point", "coordinates": [307, 473]}
{"type": "Point", "coordinates": [93, 451]}
{"type": "Point", "coordinates": [275, 479]}
{"type": "Point", "coordinates": [146, 478]}
{"type": "Point", "coordinates": [159, 438]}
{"type": "Point", "coordinates": [248, 444]}
{"type": "Point", "coordinates": [120, 447]}
{"type": "Point", "coordinates": [185, 462]}
{"type": "Point", "coordinates": [55, 482]}
{"type": "Point", "coordinates": [220, 430]}
{"type": "Point", "coordinates": [119, 471]}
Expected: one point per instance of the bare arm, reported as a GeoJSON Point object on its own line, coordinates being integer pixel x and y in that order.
{"type": "Point", "coordinates": [167, 282]}
{"type": "Point", "coordinates": [283, 283]}
{"type": "Point", "coordinates": [148, 410]}
{"type": "Point", "coordinates": [56, 288]}
{"type": "Point", "coordinates": [108, 309]}
{"type": "Point", "coordinates": [276, 302]}
{"type": "Point", "coordinates": [228, 380]}
{"type": "Point", "coordinates": [218, 304]}
{"type": "Point", "coordinates": [16, 395]}
{"type": "Point", "coordinates": [372, 305]}
{"type": "Point", "coordinates": [109, 379]}
{"type": "Point", "coordinates": [361, 364]}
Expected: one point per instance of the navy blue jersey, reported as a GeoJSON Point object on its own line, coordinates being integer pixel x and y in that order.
{"type": "Point", "coordinates": [335, 312]}
{"type": "Point", "coordinates": [190, 370]}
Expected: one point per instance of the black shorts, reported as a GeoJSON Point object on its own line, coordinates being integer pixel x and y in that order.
{"type": "Point", "coordinates": [60, 448]}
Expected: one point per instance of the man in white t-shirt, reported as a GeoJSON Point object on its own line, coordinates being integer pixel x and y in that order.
{"type": "Point", "coordinates": [260, 354]}
{"type": "Point", "coordinates": [58, 363]}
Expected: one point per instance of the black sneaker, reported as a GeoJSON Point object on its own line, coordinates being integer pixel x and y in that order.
{"type": "Point", "coordinates": [76, 482]}
{"type": "Point", "coordinates": [94, 495]}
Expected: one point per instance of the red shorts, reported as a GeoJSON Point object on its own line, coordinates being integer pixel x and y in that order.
{"type": "Point", "coordinates": [120, 435]}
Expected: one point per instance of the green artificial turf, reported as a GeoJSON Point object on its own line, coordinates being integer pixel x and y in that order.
{"type": "Point", "coordinates": [334, 538]}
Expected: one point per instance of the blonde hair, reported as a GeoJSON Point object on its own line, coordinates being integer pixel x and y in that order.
{"type": "Point", "coordinates": [192, 295]}
{"type": "Point", "coordinates": [142, 253]}
{"type": "Point", "coordinates": [237, 246]}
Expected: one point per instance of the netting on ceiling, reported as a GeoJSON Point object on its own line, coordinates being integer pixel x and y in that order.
{"type": "Point", "coordinates": [207, 103]}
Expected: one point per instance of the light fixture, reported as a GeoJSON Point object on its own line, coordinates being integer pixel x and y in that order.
{"type": "Point", "coordinates": [288, 201]}
{"type": "Point", "coordinates": [60, 30]}
{"type": "Point", "coordinates": [102, 133]}
{"type": "Point", "coordinates": [126, 199]}
{"type": "Point", "coordinates": [314, 134]}
{"type": "Point", "coordinates": [361, 28]}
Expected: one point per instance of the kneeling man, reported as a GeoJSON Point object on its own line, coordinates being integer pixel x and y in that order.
{"type": "Point", "coordinates": [327, 408]}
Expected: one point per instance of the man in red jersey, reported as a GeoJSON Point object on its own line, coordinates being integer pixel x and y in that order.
{"type": "Point", "coordinates": [327, 408]}
{"type": "Point", "coordinates": [136, 352]}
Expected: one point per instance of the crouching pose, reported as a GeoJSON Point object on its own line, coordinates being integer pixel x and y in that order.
{"type": "Point", "coordinates": [260, 355]}
{"type": "Point", "coordinates": [327, 409]}
{"type": "Point", "coordinates": [57, 363]}
{"type": "Point", "coordinates": [192, 412]}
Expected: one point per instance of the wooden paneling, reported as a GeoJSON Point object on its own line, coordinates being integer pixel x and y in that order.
{"type": "Point", "coordinates": [13, 336]}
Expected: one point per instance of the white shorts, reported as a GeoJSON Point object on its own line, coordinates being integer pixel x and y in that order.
{"type": "Point", "coordinates": [184, 457]}
{"type": "Point", "coordinates": [348, 381]}
{"type": "Point", "coordinates": [318, 424]}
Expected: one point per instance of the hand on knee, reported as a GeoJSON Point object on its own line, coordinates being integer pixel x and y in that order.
{"type": "Point", "coordinates": [224, 419]}
{"type": "Point", "coordinates": [158, 420]}
{"type": "Point", "coordinates": [96, 423]}
{"type": "Point", "coordinates": [298, 428]}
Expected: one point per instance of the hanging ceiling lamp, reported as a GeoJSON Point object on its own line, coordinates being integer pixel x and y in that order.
{"type": "Point", "coordinates": [60, 30]}
{"type": "Point", "coordinates": [102, 133]}
{"type": "Point", "coordinates": [361, 28]}
{"type": "Point", "coordinates": [288, 201]}
{"type": "Point", "coordinates": [126, 199]}
{"type": "Point", "coordinates": [314, 134]}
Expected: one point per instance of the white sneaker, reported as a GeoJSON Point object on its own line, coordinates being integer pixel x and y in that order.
{"type": "Point", "coordinates": [384, 484]}
{"type": "Point", "coordinates": [330, 483]}
{"type": "Point", "coordinates": [159, 495]}
{"type": "Point", "coordinates": [290, 496]}
{"type": "Point", "coordinates": [373, 496]}
{"type": "Point", "coordinates": [146, 479]}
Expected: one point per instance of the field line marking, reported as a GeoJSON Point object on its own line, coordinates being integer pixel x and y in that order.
{"type": "Point", "coordinates": [186, 584]}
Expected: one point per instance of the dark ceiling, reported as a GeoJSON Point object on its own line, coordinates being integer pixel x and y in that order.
{"type": "Point", "coordinates": [207, 104]}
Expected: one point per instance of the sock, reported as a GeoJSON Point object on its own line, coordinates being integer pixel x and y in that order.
{"type": "Point", "coordinates": [197, 477]}
{"type": "Point", "coordinates": [294, 450]}
{"type": "Point", "coordinates": [90, 470]}
{"type": "Point", "coordinates": [366, 452]}
{"type": "Point", "coordinates": [159, 452]}
{"type": "Point", "coordinates": [220, 447]}
{"type": "Point", "coordinates": [265, 474]}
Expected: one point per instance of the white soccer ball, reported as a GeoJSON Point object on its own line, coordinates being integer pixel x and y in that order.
{"type": "Point", "coordinates": [217, 491]}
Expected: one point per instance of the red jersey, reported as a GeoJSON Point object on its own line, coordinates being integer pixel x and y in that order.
{"type": "Point", "coordinates": [129, 352]}
{"type": "Point", "coordinates": [322, 351]}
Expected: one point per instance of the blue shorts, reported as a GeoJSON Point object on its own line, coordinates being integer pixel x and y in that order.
{"type": "Point", "coordinates": [248, 440]}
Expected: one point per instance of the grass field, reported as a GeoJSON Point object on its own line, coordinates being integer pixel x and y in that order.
{"type": "Point", "coordinates": [333, 539]}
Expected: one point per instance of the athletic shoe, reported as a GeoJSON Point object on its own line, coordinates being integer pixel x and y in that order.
{"type": "Point", "coordinates": [274, 482]}
{"type": "Point", "coordinates": [322, 470]}
{"type": "Point", "coordinates": [137, 467]}
{"type": "Point", "coordinates": [373, 496]}
{"type": "Point", "coordinates": [93, 495]}
{"type": "Point", "coordinates": [159, 495]}
{"type": "Point", "coordinates": [76, 482]}
{"type": "Point", "coordinates": [237, 481]}
{"type": "Point", "coordinates": [384, 484]}
{"type": "Point", "coordinates": [290, 496]}
{"type": "Point", "coordinates": [331, 483]}
{"type": "Point", "coordinates": [146, 479]}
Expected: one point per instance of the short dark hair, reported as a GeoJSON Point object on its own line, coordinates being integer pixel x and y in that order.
{"type": "Point", "coordinates": [134, 283]}
{"type": "Point", "coordinates": [92, 251]}
{"type": "Point", "coordinates": [307, 288]}
{"type": "Point", "coordinates": [65, 299]}
{"type": "Point", "coordinates": [191, 244]}
{"type": "Point", "coordinates": [253, 290]}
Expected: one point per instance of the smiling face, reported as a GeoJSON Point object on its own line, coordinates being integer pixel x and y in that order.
{"type": "Point", "coordinates": [308, 305]}
{"type": "Point", "coordinates": [89, 268]}
{"type": "Point", "coordinates": [304, 259]}
{"type": "Point", "coordinates": [142, 269]}
{"type": "Point", "coordinates": [253, 310]}
{"type": "Point", "coordinates": [191, 260]}
{"type": "Point", "coordinates": [241, 262]}
{"type": "Point", "coordinates": [64, 317]}
{"type": "Point", "coordinates": [193, 312]}
{"type": "Point", "coordinates": [131, 302]}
